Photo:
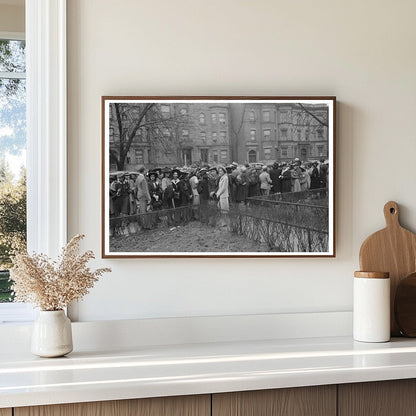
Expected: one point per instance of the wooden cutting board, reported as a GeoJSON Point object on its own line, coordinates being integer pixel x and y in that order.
{"type": "Point", "coordinates": [393, 250]}
{"type": "Point", "coordinates": [405, 306]}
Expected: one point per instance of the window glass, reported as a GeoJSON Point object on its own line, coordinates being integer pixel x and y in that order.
{"type": "Point", "coordinates": [165, 109]}
{"type": "Point", "coordinates": [267, 153]}
{"type": "Point", "coordinates": [12, 155]}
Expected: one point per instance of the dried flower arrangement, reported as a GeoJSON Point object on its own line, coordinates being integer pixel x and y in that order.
{"type": "Point", "coordinates": [53, 285]}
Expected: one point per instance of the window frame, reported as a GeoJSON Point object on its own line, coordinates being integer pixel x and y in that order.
{"type": "Point", "coordinates": [46, 137]}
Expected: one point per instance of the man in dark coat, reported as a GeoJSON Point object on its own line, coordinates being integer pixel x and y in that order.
{"type": "Point", "coordinates": [275, 173]}
{"type": "Point", "coordinates": [286, 179]}
{"type": "Point", "coordinates": [315, 182]}
{"type": "Point", "coordinates": [323, 173]}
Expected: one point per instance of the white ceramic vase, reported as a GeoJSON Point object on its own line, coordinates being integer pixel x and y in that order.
{"type": "Point", "coordinates": [52, 334]}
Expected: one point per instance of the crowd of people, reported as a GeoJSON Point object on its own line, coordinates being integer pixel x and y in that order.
{"type": "Point", "coordinates": [163, 188]}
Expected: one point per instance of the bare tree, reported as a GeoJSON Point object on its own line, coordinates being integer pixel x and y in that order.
{"type": "Point", "coordinates": [321, 120]}
{"type": "Point", "coordinates": [127, 135]}
{"type": "Point", "coordinates": [162, 130]}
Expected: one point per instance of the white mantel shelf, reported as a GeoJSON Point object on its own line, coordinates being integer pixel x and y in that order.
{"type": "Point", "coordinates": [151, 371]}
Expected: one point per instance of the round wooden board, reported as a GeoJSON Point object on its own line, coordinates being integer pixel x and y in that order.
{"type": "Point", "coordinates": [405, 306]}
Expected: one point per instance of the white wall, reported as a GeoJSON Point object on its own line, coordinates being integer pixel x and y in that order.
{"type": "Point", "coordinates": [361, 51]}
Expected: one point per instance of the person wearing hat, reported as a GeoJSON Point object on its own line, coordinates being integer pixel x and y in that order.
{"type": "Point", "coordinates": [286, 178]}
{"type": "Point", "coordinates": [323, 173]}
{"type": "Point", "coordinates": [155, 191]}
{"type": "Point", "coordinates": [297, 175]}
{"type": "Point", "coordinates": [193, 182]}
{"type": "Point", "coordinates": [222, 193]}
{"type": "Point", "coordinates": [142, 194]}
{"type": "Point", "coordinates": [120, 190]}
{"type": "Point", "coordinates": [111, 193]}
{"type": "Point", "coordinates": [175, 187]}
{"type": "Point", "coordinates": [132, 190]}
{"type": "Point", "coordinates": [242, 183]}
{"type": "Point", "coordinates": [203, 186]}
{"type": "Point", "coordinates": [314, 176]}
{"type": "Point", "coordinates": [212, 180]}
{"type": "Point", "coordinates": [265, 181]}
{"type": "Point", "coordinates": [275, 173]}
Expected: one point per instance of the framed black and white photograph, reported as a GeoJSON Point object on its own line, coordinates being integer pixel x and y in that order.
{"type": "Point", "coordinates": [218, 176]}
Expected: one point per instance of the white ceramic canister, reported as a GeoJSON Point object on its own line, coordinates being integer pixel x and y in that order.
{"type": "Point", "coordinates": [371, 310]}
{"type": "Point", "coordinates": [52, 334]}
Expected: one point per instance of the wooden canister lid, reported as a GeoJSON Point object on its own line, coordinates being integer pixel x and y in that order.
{"type": "Point", "coordinates": [372, 275]}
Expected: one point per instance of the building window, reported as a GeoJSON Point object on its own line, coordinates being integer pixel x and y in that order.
{"type": "Point", "coordinates": [266, 134]}
{"type": "Point", "coordinates": [141, 134]}
{"type": "Point", "coordinates": [224, 156]}
{"type": "Point", "coordinates": [204, 155]}
{"type": "Point", "coordinates": [202, 118]}
{"type": "Point", "coordinates": [307, 134]}
{"type": "Point", "coordinates": [214, 136]}
{"type": "Point", "coordinates": [215, 156]}
{"type": "Point", "coordinates": [165, 110]}
{"type": "Point", "coordinates": [320, 134]}
{"type": "Point", "coordinates": [268, 153]}
{"type": "Point", "coordinates": [283, 133]}
{"type": "Point", "coordinates": [299, 134]}
{"type": "Point", "coordinates": [185, 134]}
{"type": "Point", "coordinates": [223, 136]}
{"type": "Point", "coordinates": [284, 152]}
{"type": "Point", "coordinates": [251, 116]}
{"type": "Point", "coordinates": [203, 136]}
{"type": "Point", "coordinates": [187, 157]}
{"type": "Point", "coordinates": [221, 118]}
{"type": "Point", "coordinates": [214, 118]}
{"type": "Point", "coordinates": [284, 117]}
{"type": "Point", "coordinates": [138, 153]}
{"type": "Point", "coordinates": [111, 135]}
{"type": "Point", "coordinates": [320, 150]}
{"type": "Point", "coordinates": [252, 156]}
{"type": "Point", "coordinates": [253, 134]}
{"type": "Point", "coordinates": [303, 154]}
{"type": "Point", "coordinates": [266, 116]}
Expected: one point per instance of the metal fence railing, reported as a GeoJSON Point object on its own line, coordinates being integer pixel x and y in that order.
{"type": "Point", "coordinates": [131, 224]}
{"type": "Point", "coordinates": [311, 197]}
{"type": "Point", "coordinates": [284, 226]}
{"type": "Point", "coordinates": [279, 236]}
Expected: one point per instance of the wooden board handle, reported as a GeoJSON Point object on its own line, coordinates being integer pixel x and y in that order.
{"type": "Point", "coordinates": [391, 214]}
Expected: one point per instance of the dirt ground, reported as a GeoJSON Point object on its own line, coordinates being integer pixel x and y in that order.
{"type": "Point", "coordinates": [192, 237]}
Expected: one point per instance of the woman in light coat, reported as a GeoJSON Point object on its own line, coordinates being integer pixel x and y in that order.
{"type": "Point", "coordinates": [222, 191]}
